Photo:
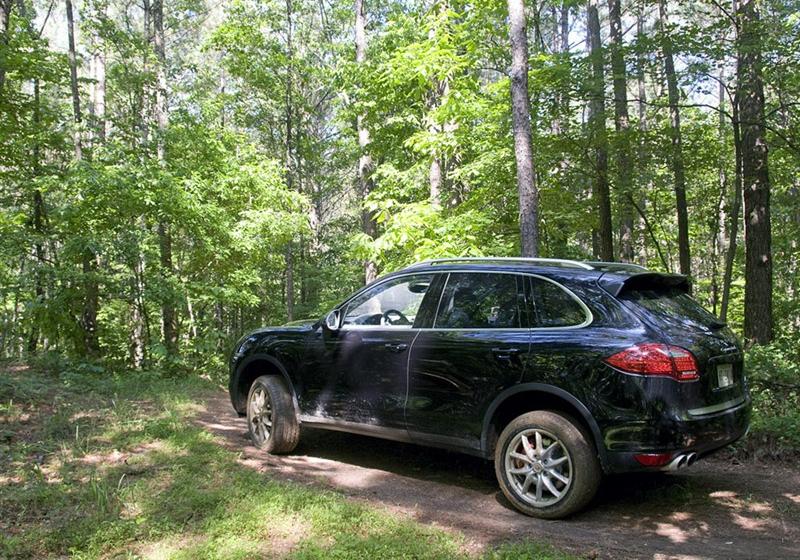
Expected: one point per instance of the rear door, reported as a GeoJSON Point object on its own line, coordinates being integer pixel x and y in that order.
{"type": "Point", "coordinates": [683, 322]}
{"type": "Point", "coordinates": [476, 347]}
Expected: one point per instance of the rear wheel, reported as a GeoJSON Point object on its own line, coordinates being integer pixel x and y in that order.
{"type": "Point", "coordinates": [271, 418]}
{"type": "Point", "coordinates": [546, 465]}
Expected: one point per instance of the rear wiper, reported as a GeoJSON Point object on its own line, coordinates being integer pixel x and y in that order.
{"type": "Point", "coordinates": [716, 324]}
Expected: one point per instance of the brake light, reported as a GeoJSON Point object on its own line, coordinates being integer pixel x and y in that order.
{"type": "Point", "coordinates": [653, 459]}
{"type": "Point", "coordinates": [654, 359]}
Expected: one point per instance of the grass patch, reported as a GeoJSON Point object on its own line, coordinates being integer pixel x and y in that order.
{"type": "Point", "coordinates": [94, 464]}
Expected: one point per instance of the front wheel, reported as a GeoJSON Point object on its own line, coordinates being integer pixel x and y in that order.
{"type": "Point", "coordinates": [546, 465]}
{"type": "Point", "coordinates": [271, 418]}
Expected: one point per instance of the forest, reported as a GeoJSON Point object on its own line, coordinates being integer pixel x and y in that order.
{"type": "Point", "coordinates": [173, 174]}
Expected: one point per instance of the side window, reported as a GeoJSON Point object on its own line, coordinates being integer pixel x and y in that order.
{"type": "Point", "coordinates": [394, 303]}
{"type": "Point", "coordinates": [553, 306]}
{"type": "Point", "coordinates": [479, 301]}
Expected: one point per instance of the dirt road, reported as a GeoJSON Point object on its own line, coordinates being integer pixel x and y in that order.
{"type": "Point", "coordinates": [712, 510]}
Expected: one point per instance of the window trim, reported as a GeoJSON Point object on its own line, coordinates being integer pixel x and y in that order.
{"type": "Point", "coordinates": [403, 328]}
{"type": "Point", "coordinates": [589, 317]}
{"type": "Point", "coordinates": [497, 329]}
{"type": "Point", "coordinates": [587, 312]}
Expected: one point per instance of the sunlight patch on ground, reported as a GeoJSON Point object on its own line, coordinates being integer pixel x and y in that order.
{"type": "Point", "coordinates": [749, 523]}
{"type": "Point", "coordinates": [682, 527]}
{"type": "Point", "coordinates": [168, 547]}
{"type": "Point", "coordinates": [793, 497]}
{"type": "Point", "coordinates": [733, 501]}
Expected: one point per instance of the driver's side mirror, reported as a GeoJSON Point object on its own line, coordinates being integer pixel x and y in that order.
{"type": "Point", "coordinates": [332, 320]}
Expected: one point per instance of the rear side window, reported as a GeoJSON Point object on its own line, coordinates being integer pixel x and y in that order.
{"type": "Point", "coordinates": [672, 306]}
{"type": "Point", "coordinates": [480, 301]}
{"type": "Point", "coordinates": [552, 306]}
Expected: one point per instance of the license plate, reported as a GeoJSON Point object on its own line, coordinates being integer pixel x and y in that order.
{"type": "Point", "coordinates": [725, 375]}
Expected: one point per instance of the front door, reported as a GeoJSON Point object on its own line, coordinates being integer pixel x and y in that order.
{"type": "Point", "coordinates": [478, 346]}
{"type": "Point", "coordinates": [362, 369]}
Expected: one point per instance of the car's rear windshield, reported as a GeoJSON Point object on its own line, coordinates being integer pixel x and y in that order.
{"type": "Point", "coordinates": [673, 306]}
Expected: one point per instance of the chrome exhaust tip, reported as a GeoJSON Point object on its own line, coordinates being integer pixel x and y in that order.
{"type": "Point", "coordinates": [678, 462]}
{"type": "Point", "coordinates": [681, 461]}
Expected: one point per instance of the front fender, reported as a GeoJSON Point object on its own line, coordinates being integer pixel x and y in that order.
{"type": "Point", "coordinates": [271, 365]}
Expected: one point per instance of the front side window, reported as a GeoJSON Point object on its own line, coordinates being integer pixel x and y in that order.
{"type": "Point", "coordinates": [553, 307]}
{"type": "Point", "coordinates": [394, 303]}
{"type": "Point", "coordinates": [480, 301]}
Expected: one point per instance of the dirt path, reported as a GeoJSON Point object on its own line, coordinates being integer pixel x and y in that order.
{"type": "Point", "coordinates": [712, 510]}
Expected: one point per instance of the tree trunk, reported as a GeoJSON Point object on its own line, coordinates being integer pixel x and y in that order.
{"type": "Point", "coordinates": [5, 19]}
{"type": "Point", "coordinates": [137, 344]}
{"type": "Point", "coordinates": [290, 170]}
{"type": "Point", "coordinates": [73, 80]}
{"type": "Point", "coordinates": [676, 160]}
{"type": "Point", "coordinates": [144, 107]}
{"type": "Point", "coordinates": [597, 130]}
{"type": "Point", "coordinates": [622, 126]}
{"type": "Point", "coordinates": [755, 176]}
{"type": "Point", "coordinates": [735, 214]}
{"type": "Point", "coordinates": [718, 221]}
{"type": "Point", "coordinates": [39, 220]}
{"type": "Point", "coordinates": [169, 318]}
{"type": "Point", "coordinates": [521, 125]}
{"type": "Point", "coordinates": [439, 90]}
{"type": "Point", "coordinates": [365, 167]}
{"type": "Point", "coordinates": [289, 284]}
{"type": "Point", "coordinates": [643, 156]}
{"type": "Point", "coordinates": [88, 260]}
{"type": "Point", "coordinates": [99, 87]}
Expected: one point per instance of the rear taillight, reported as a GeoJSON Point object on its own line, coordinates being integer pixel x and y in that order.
{"type": "Point", "coordinates": [653, 459]}
{"type": "Point", "coordinates": [657, 360]}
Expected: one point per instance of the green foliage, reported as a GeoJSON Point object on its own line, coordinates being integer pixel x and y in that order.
{"type": "Point", "coordinates": [259, 180]}
{"type": "Point", "coordinates": [773, 372]}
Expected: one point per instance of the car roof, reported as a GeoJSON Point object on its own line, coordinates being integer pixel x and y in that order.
{"type": "Point", "coordinates": [590, 269]}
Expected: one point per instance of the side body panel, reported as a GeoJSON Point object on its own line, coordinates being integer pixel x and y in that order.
{"type": "Point", "coordinates": [453, 377]}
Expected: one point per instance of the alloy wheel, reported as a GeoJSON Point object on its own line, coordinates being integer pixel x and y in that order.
{"type": "Point", "coordinates": [538, 467]}
{"type": "Point", "coordinates": [260, 415]}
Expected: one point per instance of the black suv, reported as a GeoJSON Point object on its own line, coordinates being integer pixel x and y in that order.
{"type": "Point", "coordinates": [557, 370]}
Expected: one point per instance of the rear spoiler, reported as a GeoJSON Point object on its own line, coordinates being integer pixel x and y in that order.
{"type": "Point", "coordinates": [616, 284]}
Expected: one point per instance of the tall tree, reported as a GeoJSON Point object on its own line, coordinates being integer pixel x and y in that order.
{"type": "Point", "coordinates": [755, 176]}
{"type": "Point", "coordinates": [521, 124]}
{"type": "Point", "coordinates": [88, 258]}
{"type": "Point", "coordinates": [5, 21]}
{"type": "Point", "coordinates": [365, 166]}
{"type": "Point", "coordinates": [642, 153]}
{"type": "Point", "coordinates": [624, 159]}
{"type": "Point", "coordinates": [289, 157]}
{"type": "Point", "coordinates": [599, 138]}
{"type": "Point", "coordinates": [676, 156]}
{"type": "Point", "coordinates": [168, 314]}
{"type": "Point", "coordinates": [73, 80]}
{"type": "Point", "coordinates": [735, 212]}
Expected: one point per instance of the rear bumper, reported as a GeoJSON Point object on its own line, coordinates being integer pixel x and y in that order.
{"type": "Point", "coordinates": [702, 435]}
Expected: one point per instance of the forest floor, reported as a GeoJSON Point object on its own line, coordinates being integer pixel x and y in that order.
{"type": "Point", "coordinates": [716, 509]}
{"type": "Point", "coordinates": [102, 464]}
{"type": "Point", "coordinates": [106, 464]}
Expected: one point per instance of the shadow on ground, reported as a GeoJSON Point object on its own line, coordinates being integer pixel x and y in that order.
{"type": "Point", "coordinates": [713, 510]}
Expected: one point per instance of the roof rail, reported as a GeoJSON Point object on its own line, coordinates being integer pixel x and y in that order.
{"type": "Point", "coordinates": [551, 262]}
{"type": "Point", "coordinates": [616, 266]}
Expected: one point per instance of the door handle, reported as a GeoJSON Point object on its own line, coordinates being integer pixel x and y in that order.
{"type": "Point", "coordinates": [395, 347]}
{"type": "Point", "coordinates": [505, 353]}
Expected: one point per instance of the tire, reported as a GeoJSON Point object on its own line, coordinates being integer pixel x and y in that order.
{"type": "Point", "coordinates": [557, 486]}
{"type": "Point", "coordinates": [271, 420]}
